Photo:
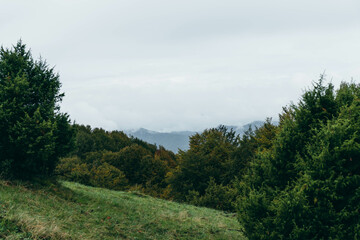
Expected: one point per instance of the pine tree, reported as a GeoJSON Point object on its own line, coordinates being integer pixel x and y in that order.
{"type": "Point", "coordinates": [34, 134]}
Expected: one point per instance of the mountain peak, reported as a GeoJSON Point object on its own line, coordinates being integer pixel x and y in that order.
{"type": "Point", "coordinates": [180, 139]}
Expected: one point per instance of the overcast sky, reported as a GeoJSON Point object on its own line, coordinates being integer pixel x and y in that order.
{"type": "Point", "coordinates": [186, 65]}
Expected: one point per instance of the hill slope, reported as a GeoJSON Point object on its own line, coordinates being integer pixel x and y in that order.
{"type": "Point", "coordinates": [74, 211]}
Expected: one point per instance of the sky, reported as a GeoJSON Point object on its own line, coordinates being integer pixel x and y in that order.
{"type": "Point", "coordinates": [186, 65]}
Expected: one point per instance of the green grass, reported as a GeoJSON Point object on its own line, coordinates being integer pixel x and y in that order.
{"type": "Point", "coordinates": [74, 211]}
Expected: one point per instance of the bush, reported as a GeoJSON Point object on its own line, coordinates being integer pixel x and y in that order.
{"type": "Point", "coordinates": [108, 176]}
{"type": "Point", "coordinates": [128, 160]}
{"type": "Point", "coordinates": [216, 196]}
{"type": "Point", "coordinates": [73, 169]}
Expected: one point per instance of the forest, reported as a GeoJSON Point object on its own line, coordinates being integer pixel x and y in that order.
{"type": "Point", "coordinates": [299, 179]}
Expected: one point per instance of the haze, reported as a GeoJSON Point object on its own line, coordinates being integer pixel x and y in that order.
{"type": "Point", "coordinates": [186, 65]}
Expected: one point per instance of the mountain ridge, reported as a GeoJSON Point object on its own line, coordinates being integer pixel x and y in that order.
{"type": "Point", "coordinates": [176, 140]}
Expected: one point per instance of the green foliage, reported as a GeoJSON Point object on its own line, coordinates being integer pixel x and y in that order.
{"type": "Point", "coordinates": [33, 132]}
{"type": "Point", "coordinates": [108, 176]}
{"type": "Point", "coordinates": [98, 140]}
{"type": "Point", "coordinates": [128, 160]}
{"type": "Point", "coordinates": [307, 185]}
{"type": "Point", "coordinates": [216, 158]}
{"type": "Point", "coordinates": [153, 171]}
{"type": "Point", "coordinates": [166, 156]}
{"type": "Point", "coordinates": [216, 196]}
{"type": "Point", "coordinates": [110, 152]}
{"type": "Point", "coordinates": [138, 165]}
{"type": "Point", "coordinates": [73, 169]}
{"type": "Point", "coordinates": [207, 158]}
{"type": "Point", "coordinates": [97, 175]}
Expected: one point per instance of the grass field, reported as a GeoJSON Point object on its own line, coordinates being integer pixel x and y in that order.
{"type": "Point", "coordinates": [74, 211]}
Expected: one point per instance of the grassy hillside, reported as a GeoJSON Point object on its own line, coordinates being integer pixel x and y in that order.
{"type": "Point", "coordinates": [74, 211]}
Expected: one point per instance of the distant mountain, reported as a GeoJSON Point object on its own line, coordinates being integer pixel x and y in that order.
{"type": "Point", "coordinates": [242, 129]}
{"type": "Point", "coordinates": [180, 140]}
{"type": "Point", "coordinates": [171, 140]}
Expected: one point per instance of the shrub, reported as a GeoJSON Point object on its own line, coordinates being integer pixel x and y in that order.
{"type": "Point", "coordinates": [73, 169]}
{"type": "Point", "coordinates": [216, 196]}
{"type": "Point", "coordinates": [108, 176]}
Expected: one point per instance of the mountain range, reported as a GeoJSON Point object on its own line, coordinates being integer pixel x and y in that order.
{"type": "Point", "coordinates": [180, 139]}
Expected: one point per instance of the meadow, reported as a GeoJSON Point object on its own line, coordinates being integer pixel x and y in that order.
{"type": "Point", "coordinates": [69, 210]}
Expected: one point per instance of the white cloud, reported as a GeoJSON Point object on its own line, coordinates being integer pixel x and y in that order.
{"type": "Point", "coordinates": [168, 65]}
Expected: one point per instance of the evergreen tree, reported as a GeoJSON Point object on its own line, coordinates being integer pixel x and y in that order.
{"type": "Point", "coordinates": [34, 134]}
{"type": "Point", "coordinates": [306, 186]}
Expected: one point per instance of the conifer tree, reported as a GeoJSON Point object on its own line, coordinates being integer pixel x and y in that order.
{"type": "Point", "coordinates": [306, 186]}
{"type": "Point", "coordinates": [34, 134]}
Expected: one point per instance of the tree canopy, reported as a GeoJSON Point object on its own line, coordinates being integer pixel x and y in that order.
{"type": "Point", "coordinates": [307, 185]}
{"type": "Point", "coordinates": [34, 134]}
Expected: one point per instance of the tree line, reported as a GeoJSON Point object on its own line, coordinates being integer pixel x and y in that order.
{"type": "Point", "coordinates": [113, 160]}
{"type": "Point", "coordinates": [299, 179]}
